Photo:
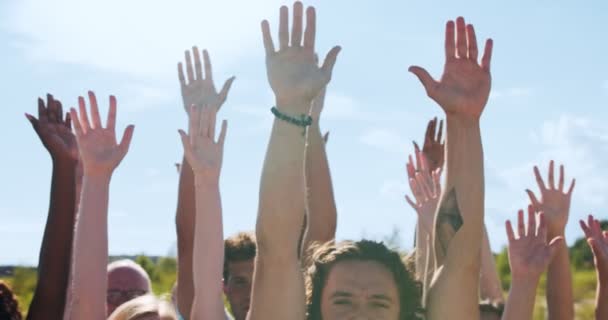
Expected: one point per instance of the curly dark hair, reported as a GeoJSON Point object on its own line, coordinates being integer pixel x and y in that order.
{"type": "Point", "coordinates": [239, 247]}
{"type": "Point", "coordinates": [9, 307]}
{"type": "Point", "coordinates": [325, 256]}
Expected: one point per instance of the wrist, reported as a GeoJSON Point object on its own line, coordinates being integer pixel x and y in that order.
{"type": "Point", "coordinates": [293, 106]}
{"type": "Point", "coordinates": [206, 181]}
{"type": "Point", "coordinates": [97, 178]}
{"type": "Point", "coordinates": [556, 231]}
{"type": "Point", "coordinates": [65, 165]}
{"type": "Point", "coordinates": [525, 283]}
{"type": "Point", "coordinates": [462, 120]}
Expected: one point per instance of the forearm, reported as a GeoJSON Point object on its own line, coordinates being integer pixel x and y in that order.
{"type": "Point", "coordinates": [322, 215]}
{"type": "Point", "coordinates": [90, 256]}
{"type": "Point", "coordinates": [560, 301]}
{"type": "Point", "coordinates": [520, 303]}
{"type": "Point", "coordinates": [490, 287]}
{"type": "Point", "coordinates": [601, 307]}
{"type": "Point", "coordinates": [278, 288]}
{"type": "Point", "coordinates": [185, 220]}
{"type": "Point", "coordinates": [55, 252]}
{"type": "Point", "coordinates": [423, 254]}
{"type": "Point", "coordinates": [208, 252]}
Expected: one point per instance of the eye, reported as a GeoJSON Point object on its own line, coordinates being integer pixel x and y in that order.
{"type": "Point", "coordinates": [380, 305]}
{"type": "Point", "coordinates": [342, 302]}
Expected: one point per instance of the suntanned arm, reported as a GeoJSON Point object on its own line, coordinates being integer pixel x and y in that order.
{"type": "Point", "coordinates": [598, 242]}
{"type": "Point", "coordinates": [529, 255]}
{"type": "Point", "coordinates": [490, 287]}
{"type": "Point", "coordinates": [100, 156]}
{"type": "Point", "coordinates": [197, 90]}
{"type": "Point", "coordinates": [322, 215]}
{"type": "Point", "coordinates": [555, 203]}
{"type": "Point", "coordinates": [55, 253]}
{"type": "Point", "coordinates": [278, 285]}
{"type": "Point", "coordinates": [462, 92]}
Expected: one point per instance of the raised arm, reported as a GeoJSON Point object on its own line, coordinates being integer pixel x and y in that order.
{"type": "Point", "coordinates": [555, 203]}
{"type": "Point", "coordinates": [205, 155]}
{"type": "Point", "coordinates": [322, 215]}
{"type": "Point", "coordinates": [598, 241]}
{"type": "Point", "coordinates": [529, 256]}
{"type": "Point", "coordinates": [55, 133]}
{"type": "Point", "coordinates": [462, 92]}
{"type": "Point", "coordinates": [196, 91]}
{"type": "Point", "coordinates": [100, 154]}
{"type": "Point", "coordinates": [295, 78]}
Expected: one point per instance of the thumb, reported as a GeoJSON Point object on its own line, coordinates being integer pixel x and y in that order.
{"type": "Point", "coordinates": [126, 139]}
{"type": "Point", "coordinates": [186, 145]}
{"type": "Point", "coordinates": [425, 78]}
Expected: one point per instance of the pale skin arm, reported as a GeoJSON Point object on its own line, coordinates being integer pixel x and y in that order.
{"type": "Point", "coordinates": [529, 256]}
{"type": "Point", "coordinates": [295, 78]}
{"type": "Point", "coordinates": [100, 155]}
{"type": "Point", "coordinates": [555, 203]}
{"type": "Point", "coordinates": [322, 214]}
{"type": "Point", "coordinates": [598, 241]}
{"type": "Point", "coordinates": [56, 135]}
{"type": "Point", "coordinates": [197, 90]}
{"type": "Point", "coordinates": [462, 92]}
{"type": "Point", "coordinates": [205, 155]}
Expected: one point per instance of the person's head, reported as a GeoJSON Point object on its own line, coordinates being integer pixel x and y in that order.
{"type": "Point", "coordinates": [364, 278]}
{"type": "Point", "coordinates": [9, 307]}
{"type": "Point", "coordinates": [147, 307]}
{"type": "Point", "coordinates": [239, 256]}
{"type": "Point", "coordinates": [489, 310]}
{"type": "Point", "coordinates": [126, 281]}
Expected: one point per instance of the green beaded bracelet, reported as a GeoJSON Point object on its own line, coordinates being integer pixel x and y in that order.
{"type": "Point", "coordinates": [303, 121]}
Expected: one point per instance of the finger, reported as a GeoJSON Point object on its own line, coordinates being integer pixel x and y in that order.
{"type": "Point", "coordinates": [533, 199]}
{"type": "Point", "coordinates": [207, 62]}
{"type": "Point", "coordinates": [539, 179]}
{"type": "Point", "coordinates": [521, 228]}
{"type": "Point", "coordinates": [94, 111]}
{"type": "Point", "coordinates": [450, 45]}
{"type": "Point", "coordinates": [223, 132]}
{"type": "Point", "coordinates": [77, 127]}
{"type": "Point", "coordinates": [330, 61]}
{"type": "Point", "coordinates": [296, 27]}
{"type": "Point", "coordinates": [561, 179]}
{"type": "Point", "coordinates": [111, 123]}
{"type": "Point", "coordinates": [594, 247]}
{"type": "Point", "coordinates": [68, 120]}
{"type": "Point", "coordinates": [198, 71]}
{"type": "Point", "coordinates": [440, 131]}
{"type": "Point", "coordinates": [424, 164]}
{"type": "Point", "coordinates": [542, 226]}
{"type": "Point", "coordinates": [212, 122]}
{"type": "Point", "coordinates": [571, 187]}
{"type": "Point", "coordinates": [125, 142]}
{"type": "Point", "coordinates": [531, 221]}
{"type": "Point", "coordinates": [411, 171]}
{"type": "Point", "coordinates": [41, 109]}
{"type": "Point", "coordinates": [510, 234]}
{"type": "Point", "coordinates": [551, 175]}
{"type": "Point", "coordinates": [267, 38]}
{"type": "Point", "coordinates": [225, 89]}
{"type": "Point", "coordinates": [59, 109]}
{"type": "Point", "coordinates": [425, 78]}
{"type": "Point", "coordinates": [429, 133]}
{"type": "Point", "coordinates": [416, 191]}
{"type": "Point", "coordinates": [51, 109]}
{"type": "Point", "coordinates": [585, 228]}
{"type": "Point", "coordinates": [416, 146]}
{"type": "Point", "coordinates": [411, 203]}
{"type": "Point", "coordinates": [418, 160]}
{"type": "Point", "coordinates": [311, 29]}
{"type": "Point", "coordinates": [33, 121]}
{"type": "Point", "coordinates": [189, 70]}
{"type": "Point", "coordinates": [461, 38]}
{"type": "Point", "coordinates": [284, 28]}
{"type": "Point", "coordinates": [424, 186]}
{"type": "Point", "coordinates": [180, 74]}
{"type": "Point", "coordinates": [596, 228]}
{"type": "Point", "coordinates": [487, 55]}
{"type": "Point", "coordinates": [326, 137]}
{"type": "Point", "coordinates": [472, 43]}
{"type": "Point", "coordinates": [186, 143]}
{"type": "Point", "coordinates": [84, 118]}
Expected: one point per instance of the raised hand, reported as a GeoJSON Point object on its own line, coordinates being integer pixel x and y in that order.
{"type": "Point", "coordinates": [426, 188]}
{"type": "Point", "coordinates": [292, 71]}
{"type": "Point", "coordinates": [434, 147]}
{"type": "Point", "coordinates": [464, 87]}
{"type": "Point", "coordinates": [55, 131]}
{"type": "Point", "coordinates": [198, 90]}
{"type": "Point", "coordinates": [598, 241]}
{"type": "Point", "coordinates": [529, 253]}
{"type": "Point", "coordinates": [554, 202]}
{"type": "Point", "coordinates": [99, 151]}
{"type": "Point", "coordinates": [202, 152]}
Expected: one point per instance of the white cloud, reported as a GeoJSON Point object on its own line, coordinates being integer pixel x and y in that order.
{"type": "Point", "coordinates": [137, 37]}
{"type": "Point", "coordinates": [383, 139]}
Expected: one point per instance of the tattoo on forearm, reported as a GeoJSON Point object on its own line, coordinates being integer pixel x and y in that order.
{"type": "Point", "coordinates": [449, 221]}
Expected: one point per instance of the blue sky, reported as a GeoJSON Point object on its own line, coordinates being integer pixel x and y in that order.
{"type": "Point", "coordinates": [549, 98]}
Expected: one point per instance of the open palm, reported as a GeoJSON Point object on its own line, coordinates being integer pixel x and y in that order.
{"type": "Point", "coordinates": [598, 241]}
{"type": "Point", "coordinates": [464, 87]}
{"type": "Point", "coordinates": [98, 147]}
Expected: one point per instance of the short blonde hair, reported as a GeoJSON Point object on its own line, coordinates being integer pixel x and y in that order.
{"type": "Point", "coordinates": [143, 306]}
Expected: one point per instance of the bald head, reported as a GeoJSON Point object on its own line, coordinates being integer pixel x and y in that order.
{"type": "Point", "coordinates": [126, 280]}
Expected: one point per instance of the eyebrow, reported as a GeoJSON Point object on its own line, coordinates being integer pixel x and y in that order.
{"type": "Point", "coordinates": [344, 294]}
{"type": "Point", "coordinates": [382, 297]}
{"type": "Point", "coordinates": [341, 294]}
